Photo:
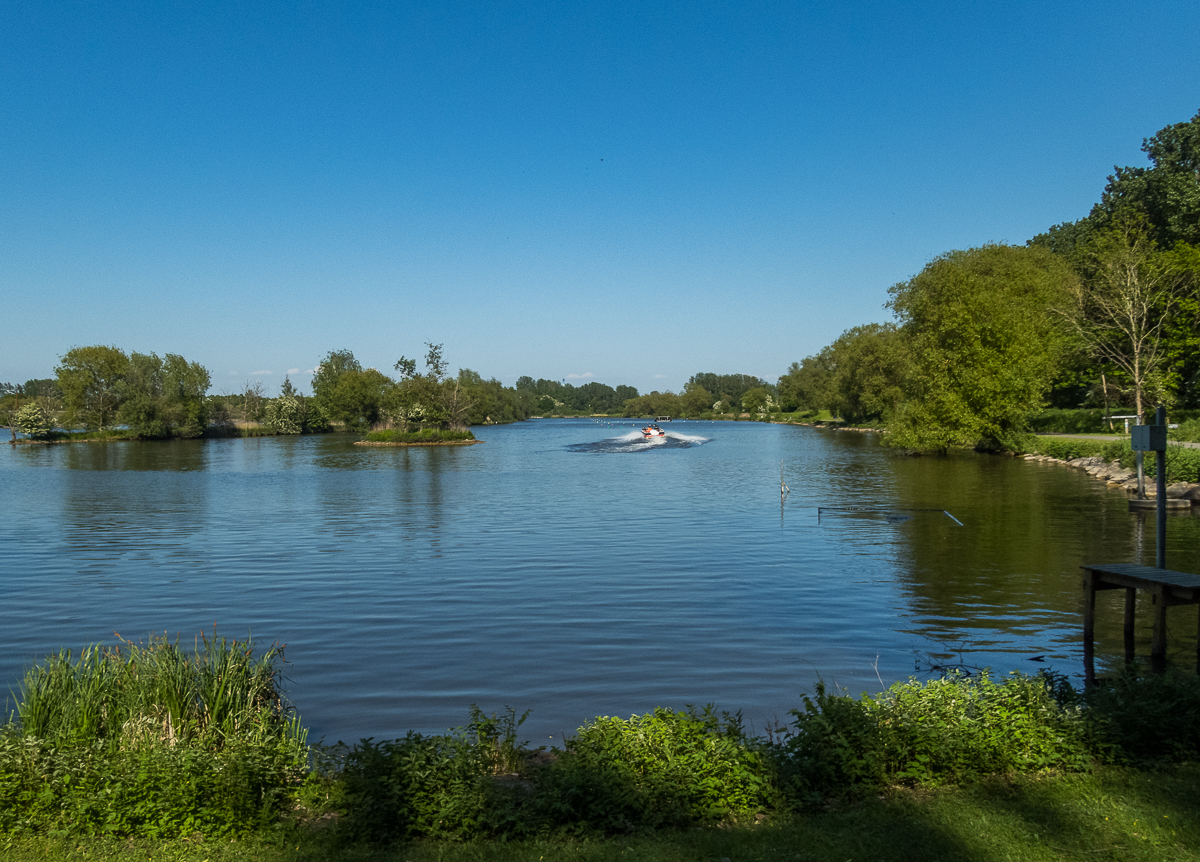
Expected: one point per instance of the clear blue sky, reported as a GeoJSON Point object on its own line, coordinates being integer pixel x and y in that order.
{"type": "Point", "coordinates": [630, 191]}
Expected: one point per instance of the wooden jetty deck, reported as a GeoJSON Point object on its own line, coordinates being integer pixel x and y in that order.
{"type": "Point", "coordinates": [1166, 589]}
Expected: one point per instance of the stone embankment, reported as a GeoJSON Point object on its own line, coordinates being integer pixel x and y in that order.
{"type": "Point", "coordinates": [1118, 476]}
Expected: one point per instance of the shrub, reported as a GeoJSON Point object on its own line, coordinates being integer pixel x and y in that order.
{"type": "Point", "coordinates": [927, 733]}
{"type": "Point", "coordinates": [429, 786]}
{"type": "Point", "coordinates": [666, 768]}
{"type": "Point", "coordinates": [32, 421]}
{"type": "Point", "coordinates": [1146, 718]}
{"type": "Point", "coordinates": [149, 740]}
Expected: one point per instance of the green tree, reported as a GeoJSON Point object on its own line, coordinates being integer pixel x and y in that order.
{"type": "Point", "coordinates": [982, 342]}
{"type": "Point", "coordinates": [807, 385]}
{"type": "Point", "coordinates": [695, 400]}
{"type": "Point", "coordinates": [292, 413]}
{"type": "Point", "coordinates": [755, 400]}
{"type": "Point", "coordinates": [91, 381]}
{"type": "Point", "coordinates": [868, 366]}
{"type": "Point", "coordinates": [164, 397]}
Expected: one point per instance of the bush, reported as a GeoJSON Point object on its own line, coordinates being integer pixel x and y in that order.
{"type": "Point", "coordinates": [33, 422]}
{"type": "Point", "coordinates": [1146, 718]}
{"type": "Point", "coordinates": [148, 740]}
{"type": "Point", "coordinates": [667, 768]}
{"type": "Point", "coordinates": [430, 786]}
{"type": "Point", "coordinates": [941, 731]}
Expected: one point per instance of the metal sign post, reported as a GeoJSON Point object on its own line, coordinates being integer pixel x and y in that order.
{"type": "Point", "coordinates": [1153, 438]}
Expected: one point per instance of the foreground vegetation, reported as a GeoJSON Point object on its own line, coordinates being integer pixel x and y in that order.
{"type": "Point", "coordinates": [148, 749]}
{"type": "Point", "coordinates": [1111, 813]}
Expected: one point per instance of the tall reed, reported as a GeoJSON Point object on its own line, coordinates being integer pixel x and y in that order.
{"type": "Point", "coordinates": [154, 693]}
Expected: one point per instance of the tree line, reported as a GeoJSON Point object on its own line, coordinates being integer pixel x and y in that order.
{"type": "Point", "coordinates": [1100, 312]}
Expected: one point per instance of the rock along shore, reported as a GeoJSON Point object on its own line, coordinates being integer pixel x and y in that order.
{"type": "Point", "coordinates": [1122, 477]}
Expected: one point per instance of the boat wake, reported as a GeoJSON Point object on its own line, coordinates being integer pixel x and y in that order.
{"type": "Point", "coordinates": [635, 441]}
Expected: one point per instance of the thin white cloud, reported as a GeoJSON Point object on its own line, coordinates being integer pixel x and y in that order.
{"type": "Point", "coordinates": [260, 373]}
{"type": "Point", "coordinates": [580, 376]}
{"type": "Point", "coordinates": [660, 377]}
{"type": "Point", "coordinates": [293, 371]}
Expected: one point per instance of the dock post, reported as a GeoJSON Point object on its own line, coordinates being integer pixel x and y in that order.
{"type": "Point", "coordinates": [1158, 643]}
{"type": "Point", "coordinates": [1089, 629]}
{"type": "Point", "coordinates": [1130, 605]}
{"type": "Point", "coordinates": [1160, 469]}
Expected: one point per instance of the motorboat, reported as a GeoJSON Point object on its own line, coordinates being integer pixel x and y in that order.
{"type": "Point", "coordinates": [652, 430]}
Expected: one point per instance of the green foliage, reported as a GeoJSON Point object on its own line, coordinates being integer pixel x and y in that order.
{"type": "Point", "coordinates": [940, 731]}
{"type": "Point", "coordinates": [1080, 421]}
{"type": "Point", "coordinates": [982, 345]}
{"type": "Point", "coordinates": [151, 791]}
{"type": "Point", "coordinates": [90, 380]}
{"type": "Point", "coordinates": [431, 786]}
{"type": "Point", "coordinates": [1188, 431]}
{"type": "Point", "coordinates": [292, 413]}
{"type": "Point", "coordinates": [729, 387]}
{"type": "Point", "coordinates": [1148, 719]}
{"type": "Point", "coordinates": [33, 422]}
{"type": "Point", "coordinates": [666, 768]}
{"type": "Point", "coordinates": [145, 739]}
{"type": "Point", "coordinates": [654, 404]}
{"type": "Point", "coordinates": [858, 377]}
{"type": "Point", "coordinates": [164, 397]}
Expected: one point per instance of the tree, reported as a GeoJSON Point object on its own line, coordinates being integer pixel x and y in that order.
{"type": "Point", "coordinates": [329, 371]}
{"type": "Point", "coordinates": [982, 343]}
{"type": "Point", "coordinates": [90, 379]}
{"type": "Point", "coordinates": [292, 413]}
{"type": "Point", "coordinates": [430, 399]}
{"type": "Point", "coordinates": [807, 385]}
{"type": "Point", "coordinates": [1121, 308]}
{"type": "Point", "coordinates": [868, 366]}
{"type": "Point", "coordinates": [33, 422]}
{"type": "Point", "coordinates": [755, 400]}
{"type": "Point", "coordinates": [695, 400]}
{"type": "Point", "coordinates": [164, 397]}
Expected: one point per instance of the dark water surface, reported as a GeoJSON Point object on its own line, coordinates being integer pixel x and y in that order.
{"type": "Point", "coordinates": [565, 566]}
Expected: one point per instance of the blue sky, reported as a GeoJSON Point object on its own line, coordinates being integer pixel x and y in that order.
{"type": "Point", "coordinates": [623, 192]}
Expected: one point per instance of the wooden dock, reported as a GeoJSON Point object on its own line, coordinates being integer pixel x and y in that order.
{"type": "Point", "coordinates": [1166, 589]}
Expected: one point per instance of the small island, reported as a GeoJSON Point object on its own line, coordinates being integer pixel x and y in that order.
{"type": "Point", "coordinates": [426, 437]}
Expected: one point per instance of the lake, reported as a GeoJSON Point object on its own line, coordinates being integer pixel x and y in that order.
{"type": "Point", "coordinates": [568, 567]}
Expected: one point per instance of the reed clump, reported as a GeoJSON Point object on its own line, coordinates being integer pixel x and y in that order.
{"type": "Point", "coordinates": [148, 738]}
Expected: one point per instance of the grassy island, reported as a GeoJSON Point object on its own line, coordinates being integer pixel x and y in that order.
{"type": "Point", "coordinates": [428, 437]}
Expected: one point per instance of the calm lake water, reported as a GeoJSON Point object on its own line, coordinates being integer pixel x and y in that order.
{"type": "Point", "coordinates": [565, 567]}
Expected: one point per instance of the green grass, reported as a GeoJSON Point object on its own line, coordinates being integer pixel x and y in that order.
{"type": "Point", "coordinates": [1183, 465]}
{"type": "Point", "coordinates": [1109, 814]}
{"type": "Point", "coordinates": [429, 435]}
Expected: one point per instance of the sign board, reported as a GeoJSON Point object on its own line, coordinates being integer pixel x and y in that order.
{"type": "Point", "coordinates": [1148, 438]}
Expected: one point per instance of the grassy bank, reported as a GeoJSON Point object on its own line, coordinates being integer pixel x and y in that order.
{"type": "Point", "coordinates": [1183, 465]}
{"type": "Point", "coordinates": [154, 750]}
